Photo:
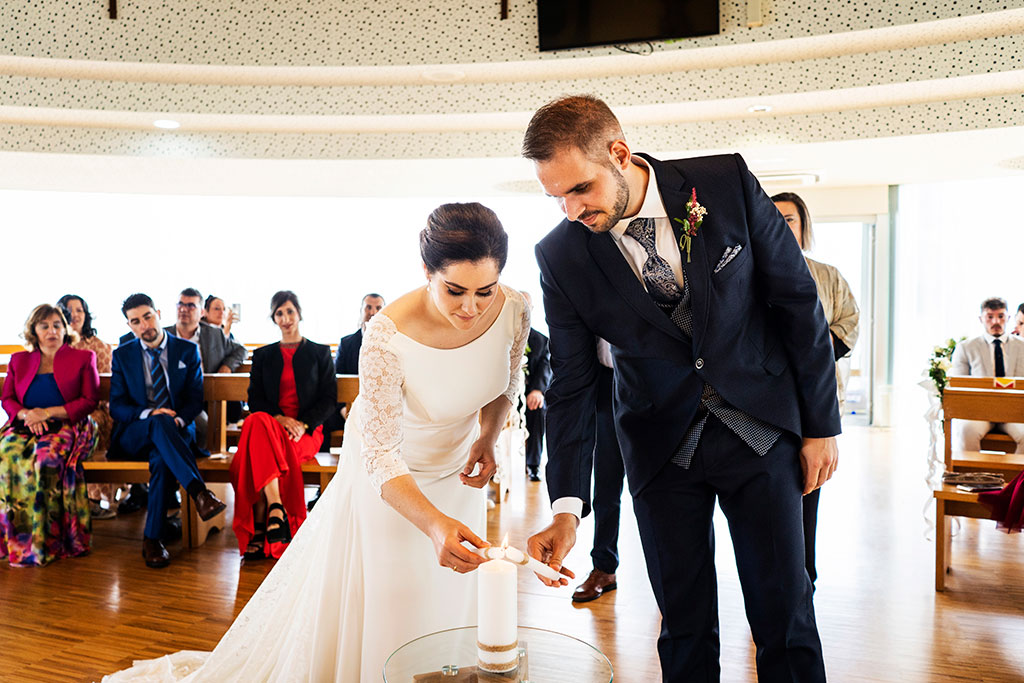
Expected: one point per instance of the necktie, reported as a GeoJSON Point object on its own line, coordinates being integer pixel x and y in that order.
{"type": "Point", "coordinates": [161, 395]}
{"type": "Point", "coordinates": [657, 274]}
{"type": "Point", "coordinates": [1000, 365]}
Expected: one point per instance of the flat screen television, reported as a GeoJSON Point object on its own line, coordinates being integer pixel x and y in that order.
{"type": "Point", "coordinates": [582, 23]}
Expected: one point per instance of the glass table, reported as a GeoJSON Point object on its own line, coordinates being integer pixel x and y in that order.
{"type": "Point", "coordinates": [450, 657]}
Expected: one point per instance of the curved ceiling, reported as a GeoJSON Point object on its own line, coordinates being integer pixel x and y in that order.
{"type": "Point", "coordinates": [420, 79]}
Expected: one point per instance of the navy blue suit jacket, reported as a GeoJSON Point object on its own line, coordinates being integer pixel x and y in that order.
{"type": "Point", "coordinates": [346, 360]}
{"type": "Point", "coordinates": [128, 385]}
{"type": "Point", "coordinates": [760, 336]}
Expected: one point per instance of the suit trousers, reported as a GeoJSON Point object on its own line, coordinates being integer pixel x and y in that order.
{"type": "Point", "coordinates": [761, 499]}
{"type": "Point", "coordinates": [608, 476]}
{"type": "Point", "coordinates": [170, 455]}
{"type": "Point", "coordinates": [535, 435]}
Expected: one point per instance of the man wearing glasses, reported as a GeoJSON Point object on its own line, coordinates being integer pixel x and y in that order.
{"type": "Point", "coordinates": [217, 352]}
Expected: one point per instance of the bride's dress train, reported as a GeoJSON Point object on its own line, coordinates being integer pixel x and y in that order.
{"type": "Point", "coordinates": [359, 580]}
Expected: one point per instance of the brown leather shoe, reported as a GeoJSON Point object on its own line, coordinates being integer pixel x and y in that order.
{"type": "Point", "coordinates": [208, 505]}
{"type": "Point", "coordinates": [155, 554]}
{"type": "Point", "coordinates": [596, 585]}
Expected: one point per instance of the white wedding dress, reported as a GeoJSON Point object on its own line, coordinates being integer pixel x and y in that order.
{"type": "Point", "coordinates": [359, 580]}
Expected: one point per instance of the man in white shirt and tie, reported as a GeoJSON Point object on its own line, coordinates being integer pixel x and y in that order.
{"type": "Point", "coordinates": [994, 354]}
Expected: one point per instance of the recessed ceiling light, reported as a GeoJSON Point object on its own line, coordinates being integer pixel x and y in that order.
{"type": "Point", "coordinates": [166, 124]}
{"type": "Point", "coordinates": [759, 108]}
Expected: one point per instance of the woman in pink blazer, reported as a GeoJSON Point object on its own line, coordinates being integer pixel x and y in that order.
{"type": "Point", "coordinates": [47, 395]}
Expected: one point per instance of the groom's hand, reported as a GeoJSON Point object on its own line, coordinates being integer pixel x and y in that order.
{"type": "Point", "coordinates": [819, 459]}
{"type": "Point", "coordinates": [551, 544]}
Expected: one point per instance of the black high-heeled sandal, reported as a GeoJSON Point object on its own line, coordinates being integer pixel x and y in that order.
{"type": "Point", "coordinates": [258, 538]}
{"type": "Point", "coordinates": [278, 530]}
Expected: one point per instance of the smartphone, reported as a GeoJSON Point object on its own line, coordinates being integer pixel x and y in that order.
{"type": "Point", "coordinates": [236, 309]}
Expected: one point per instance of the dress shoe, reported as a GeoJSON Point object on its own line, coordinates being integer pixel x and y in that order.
{"type": "Point", "coordinates": [137, 499]}
{"type": "Point", "coordinates": [208, 505]}
{"type": "Point", "coordinates": [171, 531]}
{"type": "Point", "coordinates": [533, 473]}
{"type": "Point", "coordinates": [596, 585]}
{"type": "Point", "coordinates": [155, 553]}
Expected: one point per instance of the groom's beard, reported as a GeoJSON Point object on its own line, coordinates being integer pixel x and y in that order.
{"type": "Point", "coordinates": [618, 208]}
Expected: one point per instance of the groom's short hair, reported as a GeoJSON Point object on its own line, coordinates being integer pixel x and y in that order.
{"type": "Point", "coordinates": [577, 121]}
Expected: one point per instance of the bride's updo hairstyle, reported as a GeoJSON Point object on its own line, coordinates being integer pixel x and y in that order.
{"type": "Point", "coordinates": [462, 232]}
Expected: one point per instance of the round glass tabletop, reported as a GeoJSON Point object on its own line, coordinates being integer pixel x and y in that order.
{"type": "Point", "coordinates": [450, 657]}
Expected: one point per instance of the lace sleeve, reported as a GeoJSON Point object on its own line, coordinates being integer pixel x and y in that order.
{"type": "Point", "coordinates": [380, 403]}
{"type": "Point", "coordinates": [516, 355]}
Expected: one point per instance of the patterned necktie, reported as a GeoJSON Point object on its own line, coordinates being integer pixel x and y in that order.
{"type": "Point", "coordinates": [161, 395]}
{"type": "Point", "coordinates": [657, 273]}
{"type": "Point", "coordinates": [1000, 365]}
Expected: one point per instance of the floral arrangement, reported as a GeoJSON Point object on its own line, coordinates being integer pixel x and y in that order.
{"type": "Point", "coordinates": [939, 364]}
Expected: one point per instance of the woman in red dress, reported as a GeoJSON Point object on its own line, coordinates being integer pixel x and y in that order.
{"type": "Point", "coordinates": [292, 390]}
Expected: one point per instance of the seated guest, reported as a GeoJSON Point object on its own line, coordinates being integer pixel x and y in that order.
{"type": "Point", "coordinates": [292, 390]}
{"type": "Point", "coordinates": [216, 313]}
{"type": "Point", "coordinates": [49, 393]}
{"type": "Point", "coordinates": [1018, 326]}
{"type": "Point", "coordinates": [346, 360]}
{"type": "Point", "coordinates": [993, 354]}
{"type": "Point", "coordinates": [76, 311]}
{"type": "Point", "coordinates": [156, 391]}
{"type": "Point", "coordinates": [216, 352]}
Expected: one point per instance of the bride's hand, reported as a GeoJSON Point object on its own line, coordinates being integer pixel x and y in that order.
{"type": "Point", "coordinates": [448, 535]}
{"type": "Point", "coordinates": [483, 453]}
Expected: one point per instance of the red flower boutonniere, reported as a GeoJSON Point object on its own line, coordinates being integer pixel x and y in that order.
{"type": "Point", "coordinates": [694, 217]}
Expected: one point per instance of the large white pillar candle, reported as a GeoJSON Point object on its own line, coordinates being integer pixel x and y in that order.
{"type": "Point", "coordinates": [497, 622]}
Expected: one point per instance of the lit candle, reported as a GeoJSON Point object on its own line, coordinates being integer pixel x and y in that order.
{"type": "Point", "coordinates": [497, 622]}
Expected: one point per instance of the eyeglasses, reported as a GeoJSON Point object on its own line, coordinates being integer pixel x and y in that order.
{"type": "Point", "coordinates": [190, 306]}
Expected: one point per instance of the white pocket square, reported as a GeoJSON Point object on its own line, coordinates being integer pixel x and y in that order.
{"type": "Point", "coordinates": [729, 255]}
{"type": "Point", "coordinates": [181, 365]}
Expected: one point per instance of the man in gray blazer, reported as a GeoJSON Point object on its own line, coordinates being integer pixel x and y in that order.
{"type": "Point", "coordinates": [996, 353]}
{"type": "Point", "coordinates": [217, 352]}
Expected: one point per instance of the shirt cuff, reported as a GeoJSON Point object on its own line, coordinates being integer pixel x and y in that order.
{"type": "Point", "coordinates": [181, 423]}
{"type": "Point", "coordinates": [568, 504]}
{"type": "Point", "coordinates": [145, 413]}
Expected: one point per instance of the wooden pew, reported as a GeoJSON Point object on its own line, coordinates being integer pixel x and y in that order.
{"type": "Point", "coordinates": [977, 401]}
{"type": "Point", "coordinates": [217, 390]}
{"type": "Point", "coordinates": [995, 440]}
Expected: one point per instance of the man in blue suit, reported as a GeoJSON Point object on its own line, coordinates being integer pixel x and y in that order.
{"type": "Point", "coordinates": [156, 391]}
{"type": "Point", "coordinates": [724, 379]}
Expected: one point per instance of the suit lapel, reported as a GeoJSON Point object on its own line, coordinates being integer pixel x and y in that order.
{"type": "Point", "coordinates": [606, 254]}
{"type": "Point", "coordinates": [675, 192]}
{"type": "Point", "coordinates": [173, 375]}
{"type": "Point", "coordinates": [134, 372]}
{"type": "Point", "coordinates": [25, 377]}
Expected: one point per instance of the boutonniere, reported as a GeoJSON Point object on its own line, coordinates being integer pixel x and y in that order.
{"type": "Point", "coordinates": [694, 217]}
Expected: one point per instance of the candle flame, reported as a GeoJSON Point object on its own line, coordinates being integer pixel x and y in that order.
{"type": "Point", "coordinates": [504, 541]}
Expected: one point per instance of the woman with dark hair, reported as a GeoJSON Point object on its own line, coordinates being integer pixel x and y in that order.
{"type": "Point", "coordinates": [292, 390]}
{"type": "Point", "coordinates": [76, 311]}
{"type": "Point", "coordinates": [387, 554]}
{"type": "Point", "coordinates": [48, 394]}
{"type": "Point", "coordinates": [843, 318]}
{"type": "Point", "coordinates": [217, 314]}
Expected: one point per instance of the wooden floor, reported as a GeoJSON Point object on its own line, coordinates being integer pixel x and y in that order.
{"type": "Point", "coordinates": [879, 618]}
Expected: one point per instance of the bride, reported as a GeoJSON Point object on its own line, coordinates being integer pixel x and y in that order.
{"type": "Point", "coordinates": [381, 560]}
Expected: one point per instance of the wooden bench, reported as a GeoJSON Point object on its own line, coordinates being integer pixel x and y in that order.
{"type": "Point", "coordinates": [217, 390]}
{"type": "Point", "coordinates": [995, 440]}
{"type": "Point", "coordinates": [977, 402]}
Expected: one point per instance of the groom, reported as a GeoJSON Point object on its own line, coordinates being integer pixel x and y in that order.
{"type": "Point", "coordinates": [724, 379]}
